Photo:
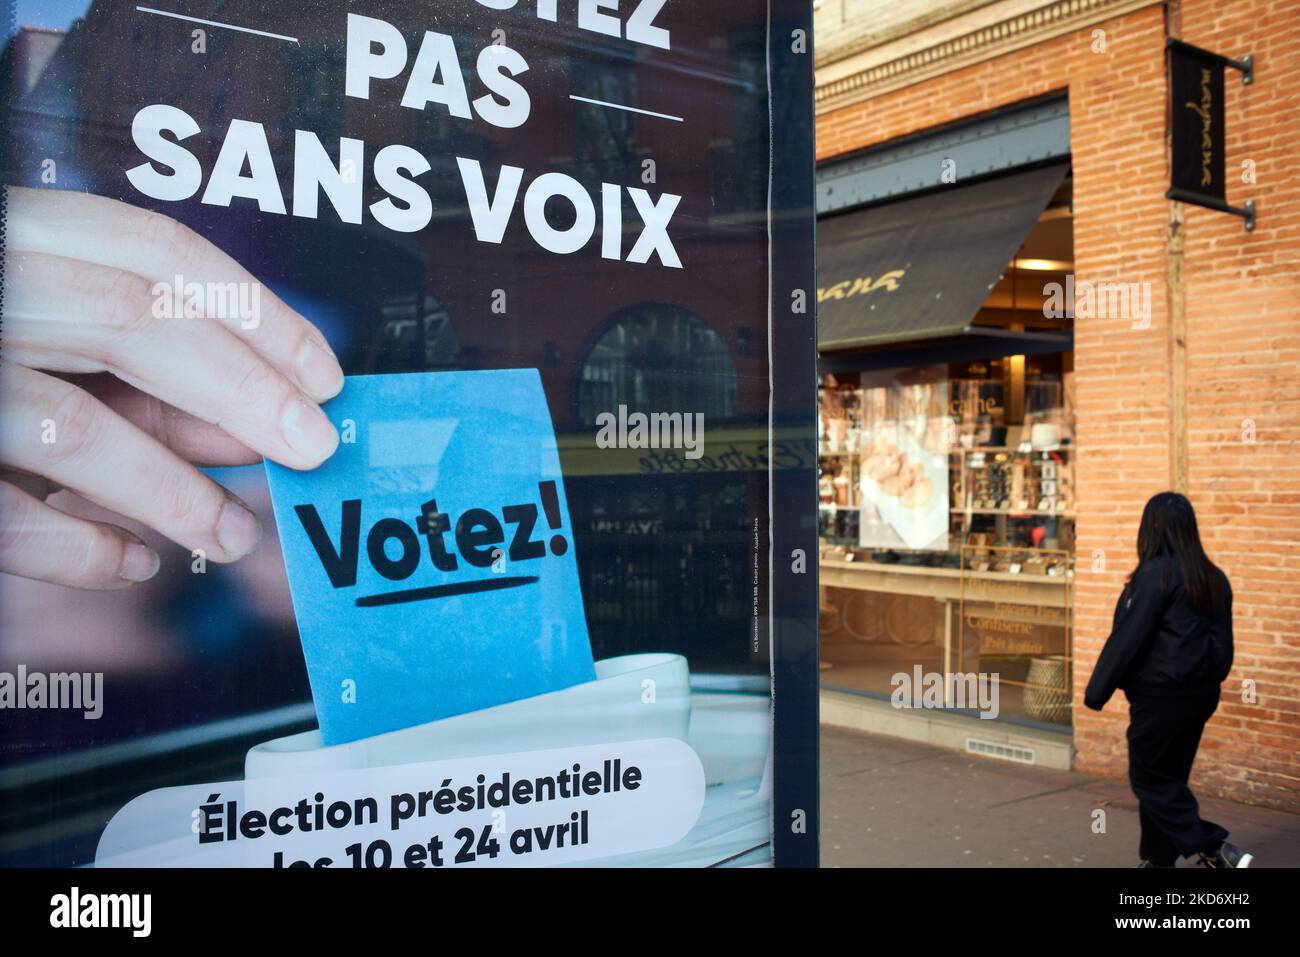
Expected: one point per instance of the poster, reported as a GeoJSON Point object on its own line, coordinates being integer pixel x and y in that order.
{"type": "Point", "coordinates": [402, 467]}
{"type": "Point", "coordinates": [903, 459]}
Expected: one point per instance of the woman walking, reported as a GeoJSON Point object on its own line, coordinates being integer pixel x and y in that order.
{"type": "Point", "coordinates": [1170, 648]}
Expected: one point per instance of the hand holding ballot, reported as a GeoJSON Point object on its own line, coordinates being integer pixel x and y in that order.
{"type": "Point", "coordinates": [432, 561]}
{"type": "Point", "coordinates": [135, 351]}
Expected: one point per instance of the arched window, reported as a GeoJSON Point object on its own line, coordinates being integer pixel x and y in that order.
{"type": "Point", "coordinates": [657, 358]}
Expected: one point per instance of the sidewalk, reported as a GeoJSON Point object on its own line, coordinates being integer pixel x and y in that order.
{"type": "Point", "coordinates": [886, 802]}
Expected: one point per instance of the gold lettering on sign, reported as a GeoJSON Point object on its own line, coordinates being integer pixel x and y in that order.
{"type": "Point", "coordinates": [861, 285]}
{"type": "Point", "coordinates": [1203, 110]}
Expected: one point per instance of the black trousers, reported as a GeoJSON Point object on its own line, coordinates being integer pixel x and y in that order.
{"type": "Point", "coordinates": [1163, 735]}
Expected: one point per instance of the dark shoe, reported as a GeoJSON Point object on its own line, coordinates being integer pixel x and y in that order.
{"type": "Point", "coordinates": [1146, 863]}
{"type": "Point", "coordinates": [1228, 855]}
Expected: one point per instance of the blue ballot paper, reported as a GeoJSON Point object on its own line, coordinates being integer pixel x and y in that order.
{"type": "Point", "coordinates": [431, 559]}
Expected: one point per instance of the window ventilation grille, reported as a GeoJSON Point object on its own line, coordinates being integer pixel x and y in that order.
{"type": "Point", "coordinates": [1004, 752]}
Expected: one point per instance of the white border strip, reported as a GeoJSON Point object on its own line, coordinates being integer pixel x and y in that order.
{"type": "Point", "coordinates": [214, 23]}
{"type": "Point", "coordinates": [629, 109]}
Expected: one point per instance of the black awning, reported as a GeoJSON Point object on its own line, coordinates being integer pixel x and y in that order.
{"type": "Point", "coordinates": [921, 268]}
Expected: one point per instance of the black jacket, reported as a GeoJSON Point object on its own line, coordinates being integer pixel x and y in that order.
{"type": "Point", "coordinates": [1158, 644]}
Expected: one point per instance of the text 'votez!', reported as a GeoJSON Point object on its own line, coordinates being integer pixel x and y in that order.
{"type": "Point", "coordinates": [478, 537]}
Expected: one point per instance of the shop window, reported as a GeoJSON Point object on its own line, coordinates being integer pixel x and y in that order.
{"type": "Point", "coordinates": [947, 510]}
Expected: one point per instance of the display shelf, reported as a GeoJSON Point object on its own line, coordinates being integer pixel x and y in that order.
{"type": "Point", "coordinates": [1015, 512]}
{"type": "Point", "coordinates": [1011, 449]}
{"type": "Point", "coordinates": [974, 450]}
{"type": "Point", "coordinates": [1050, 591]}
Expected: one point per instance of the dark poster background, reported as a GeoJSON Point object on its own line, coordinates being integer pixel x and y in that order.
{"type": "Point", "coordinates": [666, 559]}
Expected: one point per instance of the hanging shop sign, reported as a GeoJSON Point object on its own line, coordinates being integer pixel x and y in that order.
{"type": "Point", "coordinates": [1196, 125]}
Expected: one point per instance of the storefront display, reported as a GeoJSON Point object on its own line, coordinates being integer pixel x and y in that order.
{"type": "Point", "coordinates": [1007, 520]}
{"type": "Point", "coordinates": [947, 490]}
{"type": "Point", "coordinates": [1008, 493]}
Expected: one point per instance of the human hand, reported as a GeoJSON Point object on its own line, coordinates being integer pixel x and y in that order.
{"type": "Point", "coordinates": [104, 393]}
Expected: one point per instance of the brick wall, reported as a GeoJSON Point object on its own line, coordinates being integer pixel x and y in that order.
{"type": "Point", "coordinates": [1243, 347]}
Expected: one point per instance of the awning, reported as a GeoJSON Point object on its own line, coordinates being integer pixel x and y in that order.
{"type": "Point", "coordinates": [921, 268]}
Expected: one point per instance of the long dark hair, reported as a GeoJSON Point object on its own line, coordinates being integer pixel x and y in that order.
{"type": "Point", "coordinates": [1169, 529]}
